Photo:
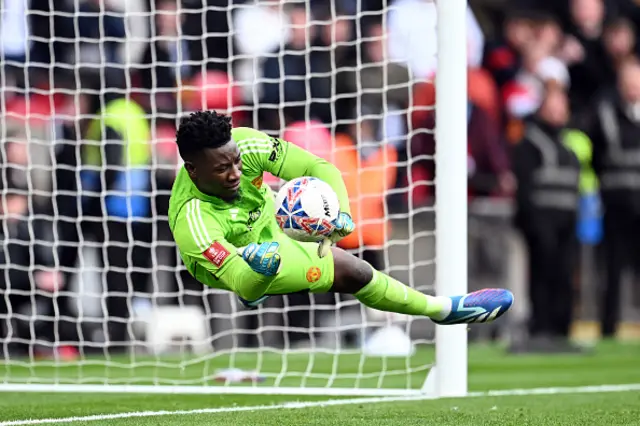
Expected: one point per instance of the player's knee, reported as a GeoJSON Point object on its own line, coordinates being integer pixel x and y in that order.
{"type": "Point", "coordinates": [350, 274]}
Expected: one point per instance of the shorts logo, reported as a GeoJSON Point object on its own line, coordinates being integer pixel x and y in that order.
{"type": "Point", "coordinates": [257, 182]}
{"type": "Point", "coordinates": [313, 274]}
{"type": "Point", "coordinates": [216, 253]}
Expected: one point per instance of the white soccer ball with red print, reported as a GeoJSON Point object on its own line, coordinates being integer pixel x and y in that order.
{"type": "Point", "coordinates": [306, 208]}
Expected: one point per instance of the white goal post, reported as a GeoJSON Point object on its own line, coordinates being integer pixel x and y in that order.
{"type": "Point", "coordinates": [185, 338]}
{"type": "Point", "coordinates": [451, 204]}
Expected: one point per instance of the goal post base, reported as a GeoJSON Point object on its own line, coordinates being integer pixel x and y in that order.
{"type": "Point", "coordinates": [431, 388]}
{"type": "Point", "coordinates": [205, 390]}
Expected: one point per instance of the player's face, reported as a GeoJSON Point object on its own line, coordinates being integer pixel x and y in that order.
{"type": "Point", "coordinates": [629, 82]}
{"type": "Point", "coordinates": [217, 171]}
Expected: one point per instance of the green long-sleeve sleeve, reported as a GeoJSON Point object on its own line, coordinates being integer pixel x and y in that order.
{"type": "Point", "coordinates": [244, 281]}
{"type": "Point", "coordinates": [263, 153]}
{"type": "Point", "coordinates": [299, 162]}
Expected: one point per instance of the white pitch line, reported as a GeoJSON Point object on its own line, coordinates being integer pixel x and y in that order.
{"type": "Point", "coordinates": [327, 403]}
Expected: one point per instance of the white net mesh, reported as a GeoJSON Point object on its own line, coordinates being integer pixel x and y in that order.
{"type": "Point", "coordinates": [91, 296]}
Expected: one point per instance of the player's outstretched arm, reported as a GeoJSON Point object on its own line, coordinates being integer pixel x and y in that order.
{"type": "Point", "coordinates": [250, 282]}
{"type": "Point", "coordinates": [300, 162]}
{"type": "Point", "coordinates": [246, 273]}
{"type": "Point", "coordinates": [262, 153]}
{"type": "Point", "coordinates": [378, 290]}
{"type": "Point", "coordinates": [217, 263]}
{"type": "Point", "coordinates": [263, 258]}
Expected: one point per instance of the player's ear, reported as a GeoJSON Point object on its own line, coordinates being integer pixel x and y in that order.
{"type": "Point", "coordinates": [191, 169]}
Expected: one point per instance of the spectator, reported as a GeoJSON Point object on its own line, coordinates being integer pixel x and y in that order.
{"type": "Point", "coordinates": [489, 169]}
{"type": "Point", "coordinates": [334, 54]}
{"type": "Point", "coordinates": [166, 62]}
{"type": "Point", "coordinates": [114, 194]}
{"type": "Point", "coordinates": [285, 78]}
{"type": "Point", "coordinates": [590, 70]}
{"type": "Point", "coordinates": [35, 37]}
{"type": "Point", "coordinates": [413, 36]}
{"type": "Point", "coordinates": [14, 41]}
{"type": "Point", "coordinates": [100, 25]}
{"type": "Point", "coordinates": [384, 88]}
{"type": "Point", "coordinates": [26, 260]}
{"type": "Point", "coordinates": [615, 132]}
{"type": "Point", "coordinates": [206, 27]}
{"type": "Point", "coordinates": [260, 27]}
{"type": "Point", "coordinates": [619, 39]}
{"type": "Point", "coordinates": [540, 56]}
{"type": "Point", "coordinates": [52, 29]}
{"type": "Point", "coordinates": [503, 57]}
{"type": "Point", "coordinates": [541, 60]}
{"type": "Point", "coordinates": [310, 83]}
{"type": "Point", "coordinates": [547, 199]}
{"type": "Point", "coordinates": [628, 9]}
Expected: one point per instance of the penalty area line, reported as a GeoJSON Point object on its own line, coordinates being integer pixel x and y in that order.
{"type": "Point", "coordinates": [325, 403]}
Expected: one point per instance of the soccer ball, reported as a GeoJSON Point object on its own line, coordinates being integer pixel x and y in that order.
{"type": "Point", "coordinates": [306, 208]}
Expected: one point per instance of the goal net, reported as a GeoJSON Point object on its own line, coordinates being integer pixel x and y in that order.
{"type": "Point", "coordinates": [92, 298]}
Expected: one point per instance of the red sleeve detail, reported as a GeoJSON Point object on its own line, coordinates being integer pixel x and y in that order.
{"type": "Point", "coordinates": [216, 253]}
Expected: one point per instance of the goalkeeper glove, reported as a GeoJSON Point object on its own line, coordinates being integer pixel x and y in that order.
{"type": "Point", "coordinates": [262, 258]}
{"type": "Point", "coordinates": [343, 226]}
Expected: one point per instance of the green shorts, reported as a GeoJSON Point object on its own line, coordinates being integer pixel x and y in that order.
{"type": "Point", "coordinates": [301, 268]}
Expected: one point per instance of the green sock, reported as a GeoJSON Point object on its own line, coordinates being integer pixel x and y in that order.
{"type": "Point", "coordinates": [387, 294]}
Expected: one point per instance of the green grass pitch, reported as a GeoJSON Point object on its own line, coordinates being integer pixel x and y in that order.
{"type": "Point", "coordinates": [490, 369]}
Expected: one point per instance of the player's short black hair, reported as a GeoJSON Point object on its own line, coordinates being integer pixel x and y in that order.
{"type": "Point", "coordinates": [201, 130]}
{"type": "Point", "coordinates": [618, 22]}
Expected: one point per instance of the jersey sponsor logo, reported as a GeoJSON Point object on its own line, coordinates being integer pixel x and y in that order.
{"type": "Point", "coordinates": [254, 215]}
{"type": "Point", "coordinates": [277, 149]}
{"type": "Point", "coordinates": [257, 182]}
{"type": "Point", "coordinates": [313, 274]}
{"type": "Point", "coordinates": [216, 253]}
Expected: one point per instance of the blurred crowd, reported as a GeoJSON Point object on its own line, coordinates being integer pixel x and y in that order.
{"type": "Point", "coordinates": [553, 113]}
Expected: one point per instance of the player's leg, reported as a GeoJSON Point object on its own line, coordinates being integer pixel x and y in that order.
{"type": "Point", "coordinates": [380, 291]}
{"type": "Point", "coordinates": [301, 269]}
{"type": "Point", "coordinates": [340, 272]}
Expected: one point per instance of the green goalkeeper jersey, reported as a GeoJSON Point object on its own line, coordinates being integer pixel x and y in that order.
{"type": "Point", "coordinates": [208, 230]}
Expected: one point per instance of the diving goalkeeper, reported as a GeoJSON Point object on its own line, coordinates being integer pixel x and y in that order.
{"type": "Point", "coordinates": [223, 220]}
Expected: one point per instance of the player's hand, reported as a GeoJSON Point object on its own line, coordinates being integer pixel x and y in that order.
{"type": "Point", "coordinates": [262, 258]}
{"type": "Point", "coordinates": [343, 226]}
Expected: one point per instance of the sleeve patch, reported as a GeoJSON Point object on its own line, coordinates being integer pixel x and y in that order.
{"type": "Point", "coordinates": [216, 253]}
{"type": "Point", "coordinates": [277, 149]}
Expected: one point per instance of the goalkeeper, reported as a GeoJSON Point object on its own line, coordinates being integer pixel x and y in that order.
{"type": "Point", "coordinates": [223, 220]}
